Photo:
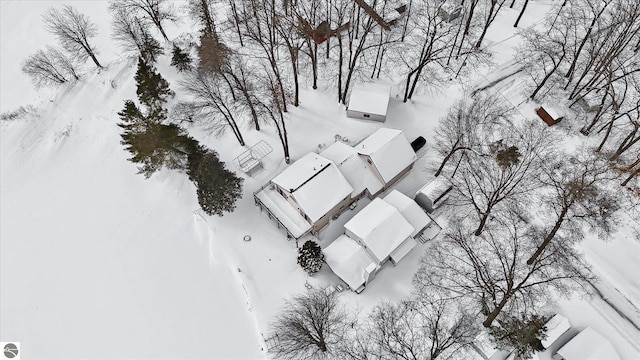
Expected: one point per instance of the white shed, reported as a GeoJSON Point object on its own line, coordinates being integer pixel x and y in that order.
{"type": "Point", "coordinates": [369, 102]}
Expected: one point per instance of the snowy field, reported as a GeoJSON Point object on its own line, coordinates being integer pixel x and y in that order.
{"type": "Point", "coordinates": [98, 262]}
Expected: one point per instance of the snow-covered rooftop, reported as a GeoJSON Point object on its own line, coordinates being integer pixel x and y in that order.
{"type": "Point", "coordinates": [370, 98]}
{"type": "Point", "coordinates": [556, 326]}
{"type": "Point", "coordinates": [356, 170]}
{"type": "Point", "coordinates": [554, 111]}
{"type": "Point", "coordinates": [315, 183]}
{"type": "Point", "coordinates": [300, 171]}
{"type": "Point", "coordinates": [588, 345]}
{"type": "Point", "coordinates": [381, 227]}
{"type": "Point", "coordinates": [411, 211]}
{"type": "Point", "coordinates": [434, 188]}
{"type": "Point", "coordinates": [324, 191]}
{"type": "Point", "coordinates": [281, 209]}
{"type": "Point", "coordinates": [348, 260]}
{"type": "Point", "coordinates": [389, 150]}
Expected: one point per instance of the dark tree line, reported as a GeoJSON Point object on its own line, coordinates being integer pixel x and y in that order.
{"type": "Point", "coordinates": [156, 143]}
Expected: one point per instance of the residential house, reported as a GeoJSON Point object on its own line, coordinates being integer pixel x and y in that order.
{"type": "Point", "coordinates": [355, 169]}
{"type": "Point", "coordinates": [319, 187]}
{"type": "Point", "coordinates": [384, 230]}
{"type": "Point", "coordinates": [389, 154]}
{"type": "Point", "coordinates": [313, 187]}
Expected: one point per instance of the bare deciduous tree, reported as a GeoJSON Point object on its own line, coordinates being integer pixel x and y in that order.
{"type": "Point", "coordinates": [271, 107]}
{"type": "Point", "coordinates": [155, 11]}
{"type": "Point", "coordinates": [467, 126]}
{"type": "Point", "coordinates": [50, 67]}
{"type": "Point", "coordinates": [310, 326]}
{"type": "Point", "coordinates": [490, 271]}
{"type": "Point", "coordinates": [579, 194]}
{"type": "Point", "coordinates": [505, 170]}
{"type": "Point", "coordinates": [414, 329]}
{"type": "Point", "coordinates": [133, 33]}
{"type": "Point", "coordinates": [211, 103]}
{"type": "Point", "coordinates": [73, 30]}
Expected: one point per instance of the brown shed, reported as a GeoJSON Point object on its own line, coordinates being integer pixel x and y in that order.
{"type": "Point", "coordinates": [547, 117]}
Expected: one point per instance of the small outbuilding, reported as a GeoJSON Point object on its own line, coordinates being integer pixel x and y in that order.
{"type": "Point", "coordinates": [549, 115]}
{"type": "Point", "coordinates": [369, 102]}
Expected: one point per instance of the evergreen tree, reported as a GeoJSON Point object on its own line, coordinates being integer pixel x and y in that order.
{"type": "Point", "coordinates": [152, 143]}
{"type": "Point", "coordinates": [153, 89]}
{"type": "Point", "coordinates": [217, 188]}
{"type": "Point", "coordinates": [310, 257]}
{"type": "Point", "coordinates": [180, 59]}
{"type": "Point", "coordinates": [214, 55]}
{"type": "Point", "coordinates": [508, 157]}
{"type": "Point", "coordinates": [522, 334]}
{"type": "Point", "coordinates": [151, 48]}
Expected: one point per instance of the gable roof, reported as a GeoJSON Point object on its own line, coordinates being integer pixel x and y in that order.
{"type": "Point", "coordinates": [300, 171]}
{"type": "Point", "coordinates": [315, 183]}
{"type": "Point", "coordinates": [409, 209]}
{"type": "Point", "coordinates": [389, 150]}
{"type": "Point", "coordinates": [381, 227]}
{"type": "Point", "coordinates": [348, 260]}
{"type": "Point", "coordinates": [370, 99]}
{"type": "Point", "coordinates": [588, 345]}
{"type": "Point", "coordinates": [357, 172]}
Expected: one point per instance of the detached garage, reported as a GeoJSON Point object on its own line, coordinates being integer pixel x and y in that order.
{"type": "Point", "coordinates": [369, 102]}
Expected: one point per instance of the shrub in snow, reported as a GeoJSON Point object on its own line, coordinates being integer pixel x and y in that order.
{"type": "Point", "coordinates": [310, 257]}
{"type": "Point", "coordinates": [522, 334]}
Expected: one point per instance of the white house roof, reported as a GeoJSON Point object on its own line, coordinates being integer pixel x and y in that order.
{"type": "Point", "coordinates": [381, 227]}
{"type": "Point", "coordinates": [301, 171]}
{"type": "Point", "coordinates": [389, 150]}
{"type": "Point", "coordinates": [410, 210]}
{"type": "Point", "coordinates": [556, 326]}
{"type": "Point", "coordinates": [355, 170]}
{"type": "Point", "coordinates": [315, 183]}
{"type": "Point", "coordinates": [348, 260]}
{"type": "Point", "coordinates": [370, 99]}
{"type": "Point", "coordinates": [588, 345]}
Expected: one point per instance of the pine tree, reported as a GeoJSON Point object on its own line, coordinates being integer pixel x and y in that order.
{"type": "Point", "coordinates": [213, 54]}
{"type": "Point", "coordinates": [217, 188]}
{"type": "Point", "coordinates": [153, 89]}
{"type": "Point", "coordinates": [180, 59]}
{"type": "Point", "coordinates": [523, 334]}
{"type": "Point", "coordinates": [151, 48]}
{"type": "Point", "coordinates": [508, 157]}
{"type": "Point", "coordinates": [310, 257]}
{"type": "Point", "coordinates": [152, 143]}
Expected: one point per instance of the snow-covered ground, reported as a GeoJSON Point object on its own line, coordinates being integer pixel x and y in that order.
{"type": "Point", "coordinates": [99, 262]}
